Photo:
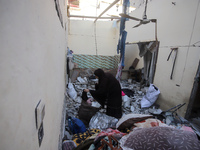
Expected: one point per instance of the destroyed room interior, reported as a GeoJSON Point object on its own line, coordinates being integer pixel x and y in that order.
{"type": "Point", "coordinates": [100, 75]}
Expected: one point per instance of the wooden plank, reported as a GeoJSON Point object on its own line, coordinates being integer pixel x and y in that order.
{"type": "Point", "coordinates": [106, 9]}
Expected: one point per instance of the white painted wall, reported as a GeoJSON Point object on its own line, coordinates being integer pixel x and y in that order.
{"type": "Point", "coordinates": [85, 38]}
{"type": "Point", "coordinates": [178, 26]}
{"type": "Point", "coordinates": [32, 66]}
{"type": "Point", "coordinates": [131, 53]}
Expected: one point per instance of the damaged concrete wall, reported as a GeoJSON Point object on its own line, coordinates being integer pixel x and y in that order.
{"type": "Point", "coordinates": [32, 56]}
{"type": "Point", "coordinates": [87, 37]}
{"type": "Point", "coordinates": [178, 26]}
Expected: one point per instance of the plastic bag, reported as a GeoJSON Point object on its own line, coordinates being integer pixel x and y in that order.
{"type": "Point", "coordinates": [102, 121]}
{"type": "Point", "coordinates": [96, 104]}
{"type": "Point", "coordinates": [150, 97]}
{"type": "Point", "coordinates": [126, 101]}
{"type": "Point", "coordinates": [71, 63]}
{"type": "Point", "coordinates": [71, 91]}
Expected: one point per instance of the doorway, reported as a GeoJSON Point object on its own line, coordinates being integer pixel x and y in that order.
{"type": "Point", "coordinates": [149, 52]}
{"type": "Point", "coordinates": [193, 110]}
{"type": "Point", "coordinates": [140, 61]}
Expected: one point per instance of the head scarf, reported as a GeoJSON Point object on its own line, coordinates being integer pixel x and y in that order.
{"type": "Point", "coordinates": [99, 73]}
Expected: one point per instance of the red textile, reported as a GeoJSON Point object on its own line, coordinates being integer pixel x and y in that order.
{"type": "Point", "coordinates": [109, 132]}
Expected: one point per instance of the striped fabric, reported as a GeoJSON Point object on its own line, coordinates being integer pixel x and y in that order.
{"type": "Point", "coordinates": [96, 61]}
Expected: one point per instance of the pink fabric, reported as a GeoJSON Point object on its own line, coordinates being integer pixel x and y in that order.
{"type": "Point", "coordinates": [89, 101]}
{"type": "Point", "coordinates": [123, 94]}
{"type": "Point", "coordinates": [150, 123]}
{"type": "Point", "coordinates": [185, 128]}
{"type": "Point", "coordinates": [119, 71]}
{"type": "Point", "coordinates": [108, 132]}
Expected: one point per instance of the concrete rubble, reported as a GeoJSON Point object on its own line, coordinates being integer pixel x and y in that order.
{"type": "Point", "coordinates": [131, 104]}
{"type": "Point", "coordinates": [134, 92]}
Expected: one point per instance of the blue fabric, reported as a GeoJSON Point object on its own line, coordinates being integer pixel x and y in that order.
{"type": "Point", "coordinates": [123, 44]}
{"type": "Point", "coordinates": [123, 33]}
{"type": "Point", "coordinates": [122, 24]}
{"type": "Point", "coordinates": [76, 125]}
{"type": "Point", "coordinates": [126, 5]}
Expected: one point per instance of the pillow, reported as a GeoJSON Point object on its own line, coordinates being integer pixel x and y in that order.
{"type": "Point", "coordinates": [160, 138]}
{"type": "Point", "coordinates": [128, 120]}
{"type": "Point", "coordinates": [150, 123]}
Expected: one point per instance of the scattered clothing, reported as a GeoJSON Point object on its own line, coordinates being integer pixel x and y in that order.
{"type": "Point", "coordinates": [137, 129]}
{"type": "Point", "coordinates": [76, 125]}
{"type": "Point", "coordinates": [81, 137]}
{"type": "Point", "coordinates": [109, 132]}
{"type": "Point", "coordinates": [150, 123]}
{"type": "Point", "coordinates": [68, 145]}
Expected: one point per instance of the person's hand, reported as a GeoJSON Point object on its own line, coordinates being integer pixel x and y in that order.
{"type": "Point", "coordinates": [89, 101]}
{"type": "Point", "coordinates": [86, 90]}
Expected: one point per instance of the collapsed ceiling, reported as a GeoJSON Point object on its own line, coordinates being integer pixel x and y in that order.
{"type": "Point", "coordinates": [91, 8]}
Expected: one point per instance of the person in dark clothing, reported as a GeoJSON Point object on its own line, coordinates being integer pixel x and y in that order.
{"type": "Point", "coordinates": [108, 89]}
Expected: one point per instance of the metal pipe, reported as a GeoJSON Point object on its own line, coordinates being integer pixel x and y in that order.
{"type": "Point", "coordinates": [176, 50]}
{"type": "Point", "coordinates": [78, 16]}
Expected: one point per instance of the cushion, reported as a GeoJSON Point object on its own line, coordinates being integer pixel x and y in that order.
{"type": "Point", "coordinates": [150, 123]}
{"type": "Point", "coordinates": [128, 120]}
{"type": "Point", "coordinates": [160, 138]}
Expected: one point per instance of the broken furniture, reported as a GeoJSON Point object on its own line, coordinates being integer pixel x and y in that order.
{"type": "Point", "coordinates": [171, 116]}
{"type": "Point", "coordinates": [111, 143]}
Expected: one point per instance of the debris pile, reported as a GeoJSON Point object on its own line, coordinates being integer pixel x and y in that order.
{"type": "Point", "coordinates": [99, 131]}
